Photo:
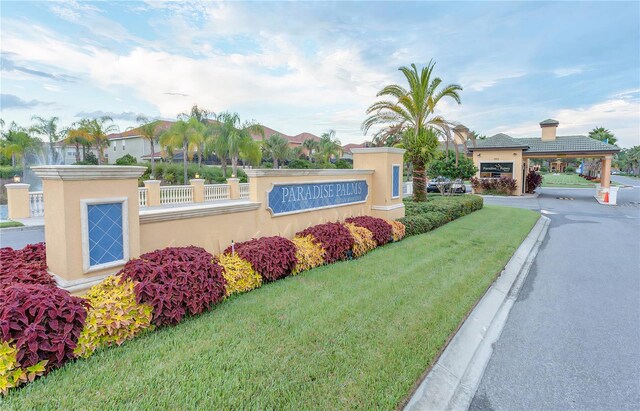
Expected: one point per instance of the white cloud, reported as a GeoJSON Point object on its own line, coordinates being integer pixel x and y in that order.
{"type": "Point", "coordinates": [567, 71]}
{"type": "Point", "coordinates": [619, 114]}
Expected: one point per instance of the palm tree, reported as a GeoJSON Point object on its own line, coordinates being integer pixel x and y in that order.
{"type": "Point", "coordinates": [277, 147]}
{"type": "Point", "coordinates": [202, 116]}
{"type": "Point", "coordinates": [311, 146]}
{"type": "Point", "coordinates": [77, 135]}
{"type": "Point", "coordinates": [604, 135]}
{"type": "Point", "coordinates": [232, 139]}
{"type": "Point", "coordinates": [48, 128]}
{"type": "Point", "coordinates": [149, 131]}
{"type": "Point", "coordinates": [329, 146]}
{"type": "Point", "coordinates": [410, 113]}
{"type": "Point", "coordinates": [184, 134]}
{"type": "Point", "coordinates": [97, 131]}
{"type": "Point", "coordinates": [17, 143]}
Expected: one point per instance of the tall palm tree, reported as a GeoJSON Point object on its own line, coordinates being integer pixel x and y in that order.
{"type": "Point", "coordinates": [77, 135]}
{"type": "Point", "coordinates": [311, 146]}
{"type": "Point", "coordinates": [184, 134]}
{"type": "Point", "coordinates": [277, 147]}
{"type": "Point", "coordinates": [17, 143]}
{"type": "Point", "coordinates": [202, 116]}
{"type": "Point", "coordinates": [232, 139]}
{"type": "Point", "coordinates": [49, 128]}
{"type": "Point", "coordinates": [410, 113]}
{"type": "Point", "coordinates": [603, 134]}
{"type": "Point", "coordinates": [150, 132]}
{"type": "Point", "coordinates": [97, 131]}
{"type": "Point", "coordinates": [329, 146]}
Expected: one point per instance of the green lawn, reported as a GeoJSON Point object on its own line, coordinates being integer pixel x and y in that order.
{"type": "Point", "coordinates": [8, 224]}
{"type": "Point", "coordinates": [352, 335]}
{"type": "Point", "coordinates": [565, 180]}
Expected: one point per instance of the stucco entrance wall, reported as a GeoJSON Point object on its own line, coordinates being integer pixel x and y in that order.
{"type": "Point", "coordinates": [502, 156]}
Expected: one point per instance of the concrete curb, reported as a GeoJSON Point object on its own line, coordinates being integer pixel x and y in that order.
{"type": "Point", "coordinates": [454, 379]}
{"type": "Point", "coordinates": [23, 228]}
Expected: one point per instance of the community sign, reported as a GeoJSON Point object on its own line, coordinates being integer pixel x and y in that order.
{"type": "Point", "coordinates": [296, 198]}
{"type": "Point", "coordinates": [496, 167]}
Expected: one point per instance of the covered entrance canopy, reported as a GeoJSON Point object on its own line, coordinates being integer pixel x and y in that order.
{"type": "Point", "coordinates": [503, 155]}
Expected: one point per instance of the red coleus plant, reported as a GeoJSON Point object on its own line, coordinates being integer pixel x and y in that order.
{"type": "Point", "coordinates": [43, 322]}
{"type": "Point", "coordinates": [382, 231]}
{"type": "Point", "coordinates": [26, 266]}
{"type": "Point", "coordinates": [176, 281]}
{"type": "Point", "coordinates": [272, 257]}
{"type": "Point", "coordinates": [334, 238]}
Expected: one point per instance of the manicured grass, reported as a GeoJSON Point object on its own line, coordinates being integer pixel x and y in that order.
{"type": "Point", "coordinates": [565, 180]}
{"type": "Point", "coordinates": [8, 224]}
{"type": "Point", "coordinates": [352, 335]}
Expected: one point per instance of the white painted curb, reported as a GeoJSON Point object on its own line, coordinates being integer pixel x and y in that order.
{"type": "Point", "coordinates": [454, 379]}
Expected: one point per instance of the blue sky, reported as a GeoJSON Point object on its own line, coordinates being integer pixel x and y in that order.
{"type": "Point", "coordinates": [316, 66]}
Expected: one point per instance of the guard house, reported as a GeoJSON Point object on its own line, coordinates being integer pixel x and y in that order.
{"type": "Point", "coordinates": [502, 155]}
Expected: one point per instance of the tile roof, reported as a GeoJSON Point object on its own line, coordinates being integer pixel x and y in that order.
{"type": "Point", "coordinates": [135, 132]}
{"type": "Point", "coordinates": [568, 144]}
{"type": "Point", "coordinates": [562, 144]}
{"type": "Point", "coordinates": [549, 122]}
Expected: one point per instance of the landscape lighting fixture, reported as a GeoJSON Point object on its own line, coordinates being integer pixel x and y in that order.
{"type": "Point", "coordinates": [16, 178]}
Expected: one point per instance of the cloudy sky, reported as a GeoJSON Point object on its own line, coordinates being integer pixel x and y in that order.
{"type": "Point", "coordinates": [316, 66]}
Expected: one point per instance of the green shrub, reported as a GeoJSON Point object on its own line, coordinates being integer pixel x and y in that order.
{"type": "Point", "coordinates": [300, 164]}
{"type": "Point", "coordinates": [90, 159]}
{"type": "Point", "coordinates": [426, 216]}
{"type": "Point", "coordinates": [126, 160]}
{"type": "Point", "coordinates": [570, 169]}
{"type": "Point", "coordinates": [342, 163]}
{"type": "Point", "coordinates": [7, 172]}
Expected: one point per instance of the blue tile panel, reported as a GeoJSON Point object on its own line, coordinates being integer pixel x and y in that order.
{"type": "Point", "coordinates": [105, 233]}
{"type": "Point", "coordinates": [395, 181]}
{"type": "Point", "coordinates": [290, 198]}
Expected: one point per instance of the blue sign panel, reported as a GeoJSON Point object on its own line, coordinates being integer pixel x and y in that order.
{"type": "Point", "coordinates": [395, 182]}
{"type": "Point", "coordinates": [105, 233]}
{"type": "Point", "coordinates": [296, 198]}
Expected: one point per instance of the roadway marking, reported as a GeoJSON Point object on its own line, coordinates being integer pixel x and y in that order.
{"type": "Point", "coordinates": [547, 212]}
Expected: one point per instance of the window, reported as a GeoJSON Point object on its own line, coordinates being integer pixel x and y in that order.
{"type": "Point", "coordinates": [395, 181]}
{"type": "Point", "coordinates": [115, 143]}
{"type": "Point", "coordinates": [122, 145]}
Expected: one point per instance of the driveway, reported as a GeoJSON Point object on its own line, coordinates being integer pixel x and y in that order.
{"type": "Point", "coordinates": [19, 237]}
{"type": "Point", "coordinates": [572, 340]}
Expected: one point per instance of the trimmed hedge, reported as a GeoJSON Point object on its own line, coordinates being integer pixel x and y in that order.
{"type": "Point", "coordinates": [426, 216]}
{"type": "Point", "coordinates": [272, 257]}
{"type": "Point", "coordinates": [176, 281]}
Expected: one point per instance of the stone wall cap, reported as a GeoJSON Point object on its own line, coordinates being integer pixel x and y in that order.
{"type": "Point", "coordinates": [269, 172]}
{"type": "Point", "coordinates": [376, 150]}
{"type": "Point", "coordinates": [154, 215]}
{"type": "Point", "coordinates": [75, 173]}
{"type": "Point", "coordinates": [15, 186]}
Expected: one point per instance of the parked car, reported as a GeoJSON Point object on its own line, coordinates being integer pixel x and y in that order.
{"type": "Point", "coordinates": [456, 185]}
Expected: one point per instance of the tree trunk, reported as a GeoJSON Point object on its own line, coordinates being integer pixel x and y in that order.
{"type": "Point", "coordinates": [419, 183]}
{"type": "Point", "coordinates": [54, 154]}
{"type": "Point", "coordinates": [153, 162]}
{"type": "Point", "coordinates": [200, 149]}
{"type": "Point", "coordinates": [275, 163]}
{"type": "Point", "coordinates": [24, 164]}
{"type": "Point", "coordinates": [100, 155]}
{"type": "Point", "coordinates": [77, 152]}
{"type": "Point", "coordinates": [184, 161]}
{"type": "Point", "coordinates": [234, 166]}
{"type": "Point", "coordinates": [223, 164]}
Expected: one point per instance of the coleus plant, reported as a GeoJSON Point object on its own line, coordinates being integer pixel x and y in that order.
{"type": "Point", "coordinates": [334, 238]}
{"type": "Point", "coordinates": [382, 231]}
{"type": "Point", "coordinates": [272, 257]}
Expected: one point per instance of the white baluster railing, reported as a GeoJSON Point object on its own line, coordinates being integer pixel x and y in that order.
{"type": "Point", "coordinates": [244, 191]}
{"type": "Point", "coordinates": [36, 204]}
{"type": "Point", "coordinates": [213, 192]}
{"type": "Point", "coordinates": [142, 196]}
{"type": "Point", "coordinates": [176, 194]}
{"type": "Point", "coordinates": [407, 189]}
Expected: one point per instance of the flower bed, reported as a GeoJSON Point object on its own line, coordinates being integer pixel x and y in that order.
{"type": "Point", "coordinates": [43, 327]}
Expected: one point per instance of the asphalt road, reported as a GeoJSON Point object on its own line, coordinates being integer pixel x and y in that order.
{"type": "Point", "coordinates": [19, 237]}
{"type": "Point", "coordinates": [572, 340]}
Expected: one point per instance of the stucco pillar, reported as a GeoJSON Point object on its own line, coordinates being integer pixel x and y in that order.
{"type": "Point", "coordinates": [18, 200]}
{"type": "Point", "coordinates": [605, 174]}
{"type": "Point", "coordinates": [91, 221]}
{"type": "Point", "coordinates": [234, 188]}
{"type": "Point", "coordinates": [198, 189]}
{"type": "Point", "coordinates": [386, 185]}
{"type": "Point", "coordinates": [153, 192]}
